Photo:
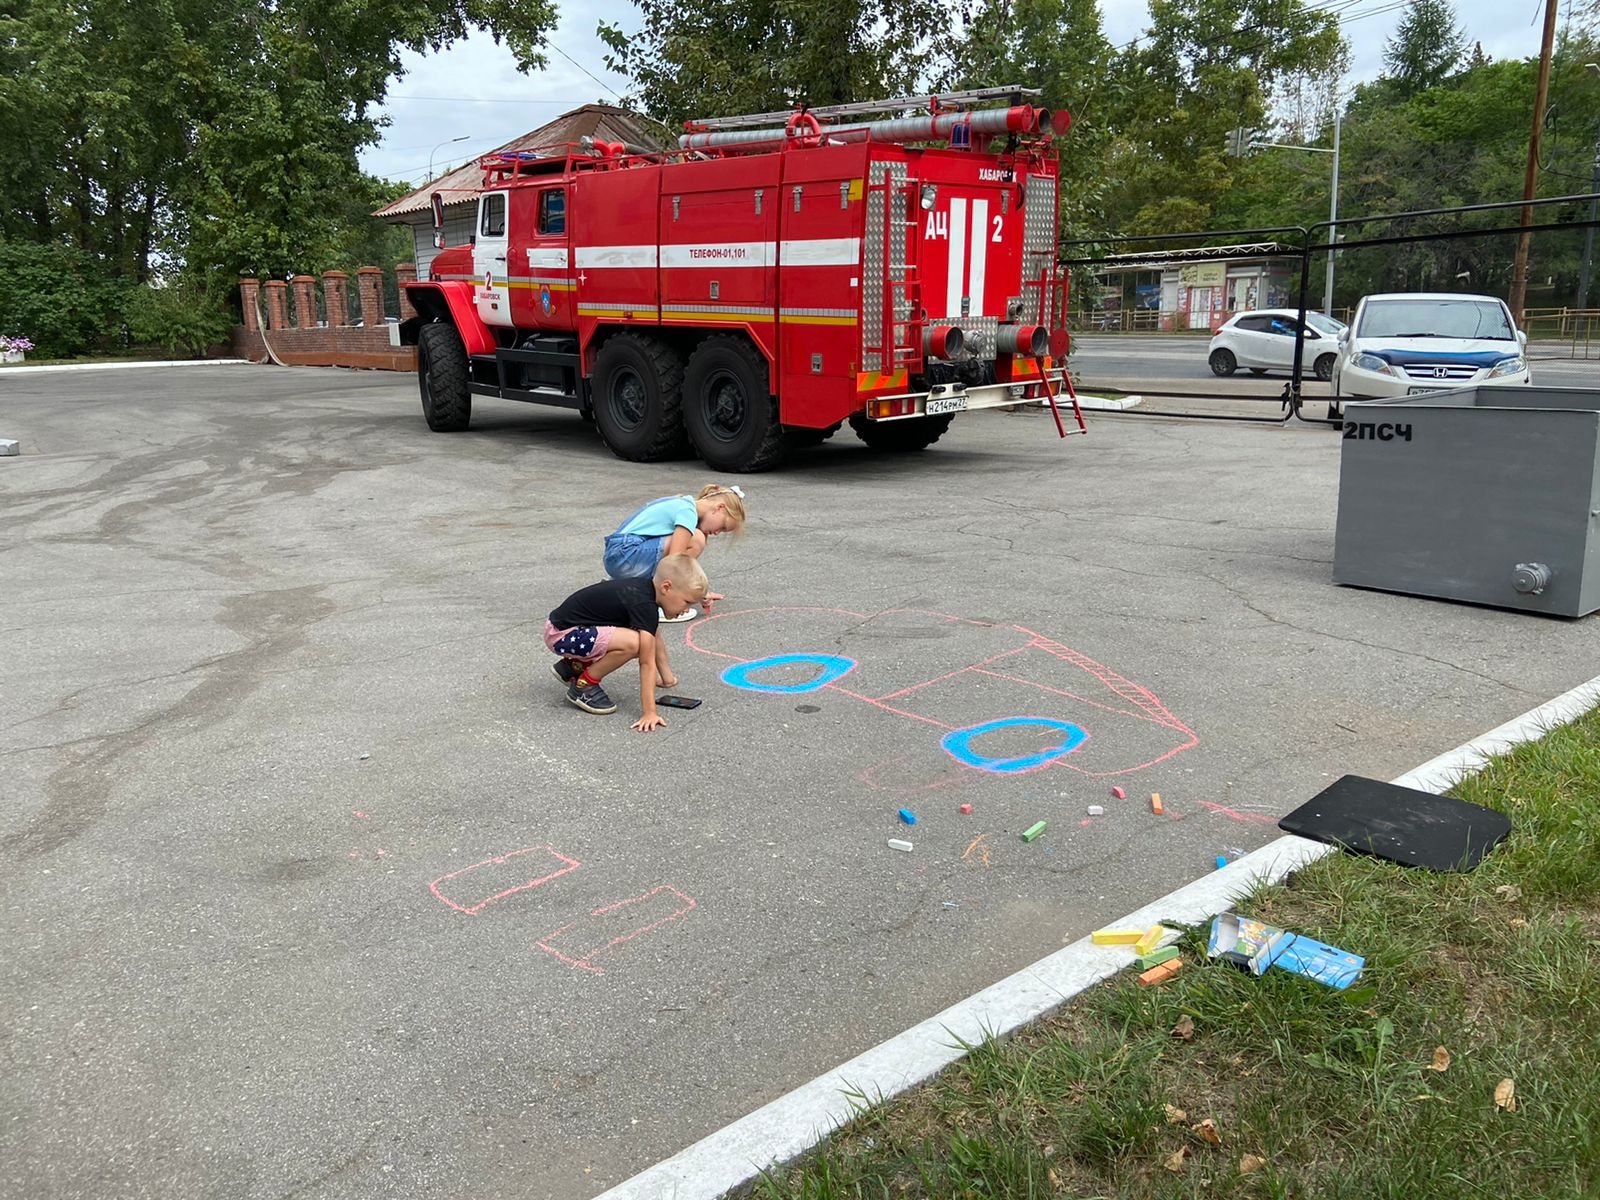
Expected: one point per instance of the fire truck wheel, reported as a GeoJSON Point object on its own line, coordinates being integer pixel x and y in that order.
{"type": "Point", "coordinates": [442, 377]}
{"type": "Point", "coordinates": [729, 407]}
{"type": "Point", "coordinates": [917, 433]}
{"type": "Point", "coordinates": [637, 391]}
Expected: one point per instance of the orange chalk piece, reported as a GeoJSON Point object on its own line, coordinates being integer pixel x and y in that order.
{"type": "Point", "coordinates": [1160, 974]}
{"type": "Point", "coordinates": [1115, 937]}
{"type": "Point", "coordinates": [1151, 938]}
{"type": "Point", "coordinates": [1155, 803]}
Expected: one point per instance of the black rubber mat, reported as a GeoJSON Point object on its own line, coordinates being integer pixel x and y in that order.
{"type": "Point", "coordinates": [1401, 825]}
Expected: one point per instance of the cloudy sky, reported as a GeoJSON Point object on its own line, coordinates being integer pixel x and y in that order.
{"type": "Point", "coordinates": [473, 91]}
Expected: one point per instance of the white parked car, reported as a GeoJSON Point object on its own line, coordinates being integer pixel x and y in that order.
{"type": "Point", "coordinates": [1263, 341]}
{"type": "Point", "coordinates": [1407, 343]}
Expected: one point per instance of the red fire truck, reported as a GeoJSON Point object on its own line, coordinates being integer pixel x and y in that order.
{"type": "Point", "coordinates": [772, 278]}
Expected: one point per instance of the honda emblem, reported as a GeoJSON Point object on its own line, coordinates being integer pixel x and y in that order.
{"type": "Point", "coordinates": [1440, 373]}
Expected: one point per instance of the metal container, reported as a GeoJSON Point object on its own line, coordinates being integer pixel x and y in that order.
{"type": "Point", "coordinates": [1490, 495]}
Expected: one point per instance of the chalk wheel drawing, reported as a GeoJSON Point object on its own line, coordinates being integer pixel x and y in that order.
{"type": "Point", "coordinates": [829, 667]}
{"type": "Point", "coordinates": [1004, 699]}
{"type": "Point", "coordinates": [958, 745]}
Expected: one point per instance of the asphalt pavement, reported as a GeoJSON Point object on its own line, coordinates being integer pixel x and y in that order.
{"type": "Point", "coordinates": [313, 886]}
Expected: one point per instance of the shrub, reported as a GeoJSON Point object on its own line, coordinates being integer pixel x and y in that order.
{"type": "Point", "coordinates": [180, 318]}
{"type": "Point", "coordinates": [57, 296]}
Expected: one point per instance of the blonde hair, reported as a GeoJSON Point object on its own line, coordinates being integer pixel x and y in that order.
{"type": "Point", "coordinates": [684, 572]}
{"type": "Point", "coordinates": [732, 502]}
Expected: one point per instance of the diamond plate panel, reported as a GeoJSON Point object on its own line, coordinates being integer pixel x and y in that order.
{"type": "Point", "coordinates": [983, 334]}
{"type": "Point", "coordinates": [1039, 242]}
{"type": "Point", "coordinates": [872, 267]}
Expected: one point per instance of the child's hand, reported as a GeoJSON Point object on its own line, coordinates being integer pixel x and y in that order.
{"type": "Point", "coordinates": [711, 598]}
{"type": "Point", "coordinates": [648, 722]}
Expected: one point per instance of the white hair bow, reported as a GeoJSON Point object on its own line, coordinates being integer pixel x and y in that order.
{"type": "Point", "coordinates": [736, 490]}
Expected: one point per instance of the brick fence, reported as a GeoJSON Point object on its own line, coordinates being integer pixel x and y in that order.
{"type": "Point", "coordinates": [305, 330]}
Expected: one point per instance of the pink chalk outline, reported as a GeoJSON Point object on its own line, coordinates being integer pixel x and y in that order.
{"type": "Point", "coordinates": [1142, 703]}
{"type": "Point", "coordinates": [583, 962]}
{"type": "Point", "coordinates": [571, 864]}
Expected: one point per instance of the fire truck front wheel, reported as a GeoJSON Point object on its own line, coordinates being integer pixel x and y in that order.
{"type": "Point", "coordinates": [729, 407]}
{"type": "Point", "coordinates": [442, 377]}
{"type": "Point", "coordinates": [637, 396]}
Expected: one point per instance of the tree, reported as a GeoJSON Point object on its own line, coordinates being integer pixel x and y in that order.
{"type": "Point", "coordinates": [1425, 48]}
{"type": "Point", "coordinates": [1204, 68]}
{"type": "Point", "coordinates": [217, 134]}
{"type": "Point", "coordinates": [711, 57]}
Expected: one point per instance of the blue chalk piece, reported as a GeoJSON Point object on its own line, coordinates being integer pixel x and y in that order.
{"type": "Point", "coordinates": [909, 817]}
{"type": "Point", "coordinates": [1221, 862]}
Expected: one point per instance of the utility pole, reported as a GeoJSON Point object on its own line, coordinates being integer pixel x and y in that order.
{"type": "Point", "coordinates": [1333, 216]}
{"type": "Point", "coordinates": [1530, 183]}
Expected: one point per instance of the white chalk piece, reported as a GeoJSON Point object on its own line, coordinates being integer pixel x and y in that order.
{"type": "Point", "coordinates": [897, 844]}
{"type": "Point", "coordinates": [8, 447]}
{"type": "Point", "coordinates": [1096, 810]}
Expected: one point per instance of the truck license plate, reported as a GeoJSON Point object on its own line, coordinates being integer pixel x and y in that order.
{"type": "Point", "coordinates": [945, 404]}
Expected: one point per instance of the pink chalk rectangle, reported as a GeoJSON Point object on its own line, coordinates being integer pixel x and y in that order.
{"type": "Point", "coordinates": [577, 943]}
{"type": "Point", "coordinates": [472, 889]}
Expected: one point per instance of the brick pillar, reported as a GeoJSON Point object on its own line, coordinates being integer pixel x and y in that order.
{"type": "Point", "coordinates": [336, 297]}
{"type": "Point", "coordinates": [305, 301]}
{"type": "Point", "coordinates": [370, 289]}
{"type": "Point", "coordinates": [404, 273]}
{"type": "Point", "coordinates": [277, 303]}
{"type": "Point", "coordinates": [249, 293]}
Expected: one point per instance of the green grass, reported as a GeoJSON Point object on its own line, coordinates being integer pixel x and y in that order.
{"type": "Point", "coordinates": [1333, 1090]}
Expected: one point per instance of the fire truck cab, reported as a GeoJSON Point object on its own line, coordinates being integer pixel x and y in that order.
{"type": "Point", "coordinates": [773, 278]}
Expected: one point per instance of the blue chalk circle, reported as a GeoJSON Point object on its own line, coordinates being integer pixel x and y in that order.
{"type": "Point", "coordinates": [830, 667]}
{"type": "Point", "coordinates": [958, 745]}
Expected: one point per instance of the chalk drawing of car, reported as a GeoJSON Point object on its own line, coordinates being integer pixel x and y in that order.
{"type": "Point", "coordinates": [995, 697]}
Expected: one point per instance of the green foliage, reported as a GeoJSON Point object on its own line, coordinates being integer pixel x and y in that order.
{"type": "Point", "coordinates": [1425, 48]}
{"type": "Point", "coordinates": [220, 134]}
{"type": "Point", "coordinates": [56, 295]}
{"type": "Point", "coordinates": [182, 318]}
{"type": "Point", "coordinates": [704, 58]}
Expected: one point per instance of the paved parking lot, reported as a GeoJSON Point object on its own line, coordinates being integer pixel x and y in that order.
{"type": "Point", "coordinates": [315, 887]}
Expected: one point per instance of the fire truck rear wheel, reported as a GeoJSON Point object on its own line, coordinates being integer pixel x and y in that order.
{"type": "Point", "coordinates": [729, 407]}
{"type": "Point", "coordinates": [442, 378]}
{"type": "Point", "coordinates": [915, 433]}
{"type": "Point", "coordinates": [637, 392]}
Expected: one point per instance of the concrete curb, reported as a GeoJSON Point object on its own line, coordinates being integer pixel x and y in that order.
{"type": "Point", "coordinates": [786, 1128]}
{"type": "Point", "coordinates": [124, 366]}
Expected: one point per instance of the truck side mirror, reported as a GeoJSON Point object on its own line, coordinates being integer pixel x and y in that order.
{"type": "Point", "coordinates": [438, 240]}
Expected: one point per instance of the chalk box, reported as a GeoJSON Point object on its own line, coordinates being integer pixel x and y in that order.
{"type": "Point", "coordinates": [1243, 940]}
{"type": "Point", "coordinates": [1317, 960]}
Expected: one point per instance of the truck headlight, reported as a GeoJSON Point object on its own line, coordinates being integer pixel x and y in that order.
{"type": "Point", "coordinates": [1515, 365]}
{"type": "Point", "coordinates": [1371, 362]}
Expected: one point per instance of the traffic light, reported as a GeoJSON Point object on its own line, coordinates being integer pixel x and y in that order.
{"type": "Point", "coordinates": [1238, 142]}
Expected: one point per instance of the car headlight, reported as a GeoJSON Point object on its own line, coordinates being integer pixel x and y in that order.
{"type": "Point", "coordinates": [1371, 362]}
{"type": "Point", "coordinates": [1509, 366]}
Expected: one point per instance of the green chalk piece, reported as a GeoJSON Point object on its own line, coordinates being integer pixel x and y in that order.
{"type": "Point", "coordinates": [1032, 831]}
{"type": "Point", "coordinates": [1155, 958]}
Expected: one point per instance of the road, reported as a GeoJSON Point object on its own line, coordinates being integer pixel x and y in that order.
{"type": "Point", "coordinates": [313, 886]}
{"type": "Point", "coordinates": [1177, 363]}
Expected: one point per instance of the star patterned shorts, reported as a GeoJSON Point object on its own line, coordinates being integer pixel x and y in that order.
{"type": "Point", "coordinates": [586, 643]}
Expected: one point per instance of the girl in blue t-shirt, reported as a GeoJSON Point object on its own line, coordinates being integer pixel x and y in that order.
{"type": "Point", "coordinates": [674, 525]}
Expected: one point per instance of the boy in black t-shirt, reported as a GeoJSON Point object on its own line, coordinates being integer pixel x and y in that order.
{"type": "Point", "coordinates": [600, 627]}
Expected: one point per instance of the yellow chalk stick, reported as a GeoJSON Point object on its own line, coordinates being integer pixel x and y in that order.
{"type": "Point", "coordinates": [1150, 939]}
{"type": "Point", "coordinates": [1115, 937]}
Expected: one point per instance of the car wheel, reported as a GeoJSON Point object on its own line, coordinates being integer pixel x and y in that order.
{"type": "Point", "coordinates": [1223, 362]}
{"type": "Point", "coordinates": [1325, 368]}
